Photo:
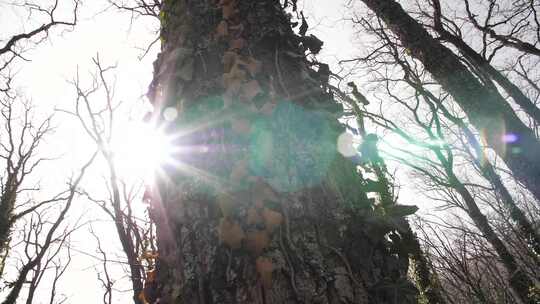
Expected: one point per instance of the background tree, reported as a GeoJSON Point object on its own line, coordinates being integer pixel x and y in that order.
{"type": "Point", "coordinates": [510, 24]}
{"type": "Point", "coordinates": [21, 139]}
{"type": "Point", "coordinates": [43, 16]}
{"type": "Point", "coordinates": [41, 244]}
{"type": "Point", "coordinates": [440, 25]}
{"type": "Point", "coordinates": [494, 119]}
{"type": "Point", "coordinates": [409, 247]}
{"type": "Point", "coordinates": [96, 109]}
{"type": "Point", "coordinates": [406, 86]}
{"type": "Point", "coordinates": [467, 268]}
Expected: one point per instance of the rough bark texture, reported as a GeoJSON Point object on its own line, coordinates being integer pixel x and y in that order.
{"type": "Point", "coordinates": [7, 204]}
{"type": "Point", "coordinates": [261, 208]}
{"type": "Point", "coordinates": [485, 108]}
{"type": "Point", "coordinates": [422, 273]}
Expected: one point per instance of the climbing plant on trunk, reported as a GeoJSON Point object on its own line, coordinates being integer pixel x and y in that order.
{"type": "Point", "coordinates": [260, 206]}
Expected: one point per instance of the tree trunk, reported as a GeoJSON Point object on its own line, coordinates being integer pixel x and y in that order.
{"type": "Point", "coordinates": [483, 65]}
{"type": "Point", "coordinates": [485, 109]}
{"type": "Point", "coordinates": [422, 273]}
{"type": "Point", "coordinates": [488, 171]}
{"type": "Point", "coordinates": [7, 203]}
{"type": "Point", "coordinates": [260, 206]}
{"type": "Point", "coordinates": [517, 279]}
{"type": "Point", "coordinates": [126, 240]}
{"type": "Point", "coordinates": [516, 214]}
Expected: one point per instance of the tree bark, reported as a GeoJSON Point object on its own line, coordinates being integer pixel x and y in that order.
{"type": "Point", "coordinates": [488, 171]}
{"type": "Point", "coordinates": [485, 109]}
{"type": "Point", "coordinates": [7, 204]}
{"type": "Point", "coordinates": [262, 208]}
{"type": "Point", "coordinates": [422, 272]}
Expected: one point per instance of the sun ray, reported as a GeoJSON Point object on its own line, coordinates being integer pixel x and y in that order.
{"type": "Point", "coordinates": [139, 148]}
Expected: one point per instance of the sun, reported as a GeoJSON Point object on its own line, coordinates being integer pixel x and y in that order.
{"type": "Point", "coordinates": [139, 149]}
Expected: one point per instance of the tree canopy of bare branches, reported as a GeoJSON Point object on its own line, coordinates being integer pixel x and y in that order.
{"type": "Point", "coordinates": [45, 15]}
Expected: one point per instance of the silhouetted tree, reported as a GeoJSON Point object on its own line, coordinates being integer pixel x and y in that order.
{"type": "Point", "coordinates": [485, 108]}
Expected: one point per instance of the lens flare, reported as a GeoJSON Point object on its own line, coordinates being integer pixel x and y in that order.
{"type": "Point", "coordinates": [510, 138]}
{"type": "Point", "coordinates": [140, 149]}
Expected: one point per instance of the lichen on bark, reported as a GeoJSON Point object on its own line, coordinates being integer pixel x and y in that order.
{"type": "Point", "coordinates": [261, 208]}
